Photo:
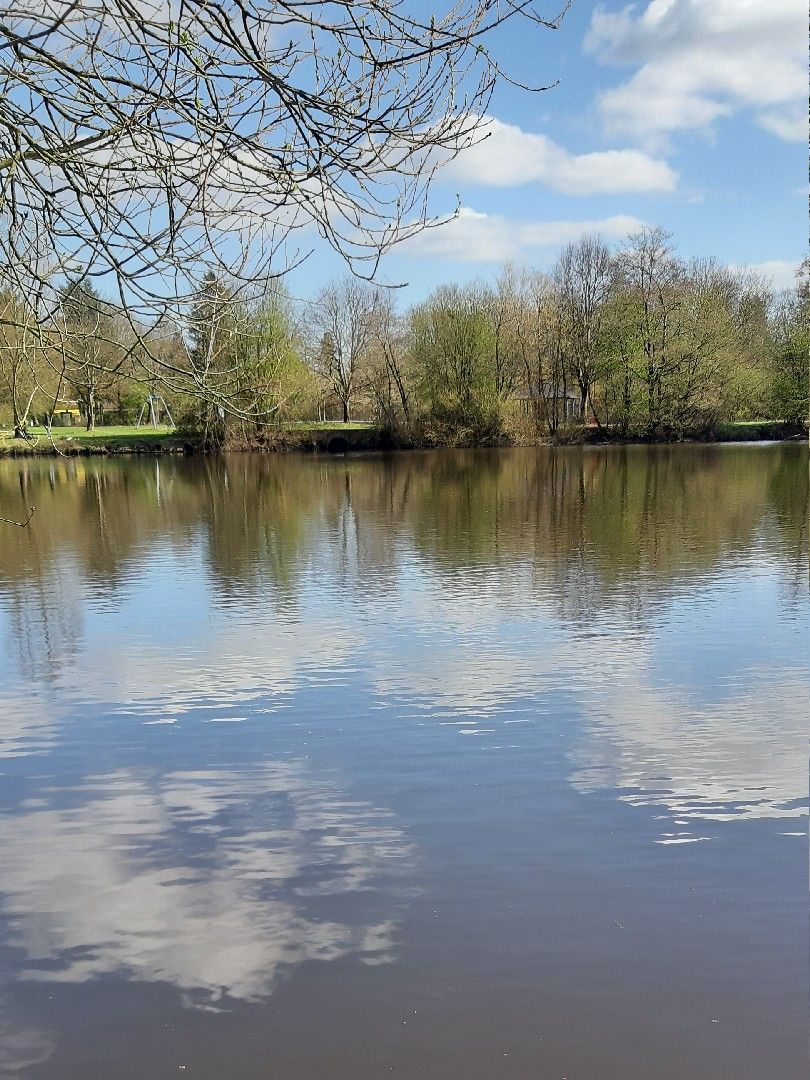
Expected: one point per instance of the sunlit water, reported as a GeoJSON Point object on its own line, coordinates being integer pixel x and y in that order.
{"type": "Point", "coordinates": [451, 765]}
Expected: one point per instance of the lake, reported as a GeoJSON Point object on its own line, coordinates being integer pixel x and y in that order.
{"type": "Point", "coordinates": [454, 765]}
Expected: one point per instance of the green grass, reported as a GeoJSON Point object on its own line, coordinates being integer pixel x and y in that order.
{"type": "Point", "coordinates": [101, 433]}
{"type": "Point", "coordinates": [101, 438]}
{"type": "Point", "coordinates": [740, 430]}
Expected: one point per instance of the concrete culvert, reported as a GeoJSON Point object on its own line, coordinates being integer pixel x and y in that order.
{"type": "Point", "coordinates": [337, 445]}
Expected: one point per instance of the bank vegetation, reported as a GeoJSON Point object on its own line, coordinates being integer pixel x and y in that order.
{"type": "Point", "coordinates": [636, 342]}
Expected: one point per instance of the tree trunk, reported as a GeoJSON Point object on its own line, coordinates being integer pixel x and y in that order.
{"type": "Point", "coordinates": [345, 412]}
{"type": "Point", "coordinates": [18, 424]}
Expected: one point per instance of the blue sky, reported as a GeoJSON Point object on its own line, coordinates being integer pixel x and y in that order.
{"type": "Point", "coordinates": [690, 114]}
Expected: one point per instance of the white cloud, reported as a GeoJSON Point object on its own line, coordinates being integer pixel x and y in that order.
{"type": "Point", "coordinates": [782, 272]}
{"type": "Point", "coordinates": [477, 237]}
{"type": "Point", "coordinates": [701, 60]}
{"type": "Point", "coordinates": [789, 124]}
{"type": "Point", "coordinates": [509, 156]}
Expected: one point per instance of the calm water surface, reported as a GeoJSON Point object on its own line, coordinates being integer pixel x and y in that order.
{"type": "Point", "coordinates": [463, 765]}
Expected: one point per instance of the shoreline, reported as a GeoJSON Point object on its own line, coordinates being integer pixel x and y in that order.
{"type": "Point", "coordinates": [362, 439]}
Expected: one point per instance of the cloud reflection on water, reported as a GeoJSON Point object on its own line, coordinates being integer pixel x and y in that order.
{"type": "Point", "coordinates": [207, 880]}
{"type": "Point", "coordinates": [232, 665]}
{"type": "Point", "coordinates": [652, 741]}
{"type": "Point", "coordinates": [26, 727]}
{"type": "Point", "coordinates": [714, 763]}
{"type": "Point", "coordinates": [641, 611]}
{"type": "Point", "coordinates": [21, 1045]}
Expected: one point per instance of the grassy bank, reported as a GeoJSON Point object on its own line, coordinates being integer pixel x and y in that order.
{"type": "Point", "coordinates": [102, 440]}
{"type": "Point", "coordinates": [758, 431]}
{"type": "Point", "coordinates": [332, 436]}
{"type": "Point", "coordinates": [304, 436]}
{"type": "Point", "coordinates": [732, 431]}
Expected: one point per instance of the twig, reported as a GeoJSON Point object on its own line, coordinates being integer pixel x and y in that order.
{"type": "Point", "coordinates": [20, 524]}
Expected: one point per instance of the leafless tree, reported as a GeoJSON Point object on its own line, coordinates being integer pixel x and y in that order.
{"type": "Point", "coordinates": [584, 276]}
{"type": "Point", "coordinates": [143, 144]}
{"type": "Point", "coordinates": [342, 332]}
{"type": "Point", "coordinates": [93, 354]}
{"type": "Point", "coordinates": [504, 304]}
{"type": "Point", "coordinates": [391, 382]}
{"type": "Point", "coordinates": [22, 360]}
{"type": "Point", "coordinates": [543, 342]}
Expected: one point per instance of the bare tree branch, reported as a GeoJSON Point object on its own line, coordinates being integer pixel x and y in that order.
{"type": "Point", "coordinates": [150, 142]}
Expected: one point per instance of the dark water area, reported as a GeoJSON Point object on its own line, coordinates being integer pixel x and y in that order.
{"type": "Point", "coordinates": [452, 765]}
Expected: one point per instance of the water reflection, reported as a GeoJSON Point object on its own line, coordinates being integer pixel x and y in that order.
{"type": "Point", "coordinates": [742, 756]}
{"type": "Point", "coordinates": [587, 523]}
{"type": "Point", "coordinates": [221, 671]}
{"type": "Point", "coordinates": [237, 697]}
{"type": "Point", "coordinates": [212, 881]}
{"type": "Point", "coordinates": [21, 1046]}
{"type": "Point", "coordinates": [25, 726]}
{"type": "Point", "coordinates": [714, 751]}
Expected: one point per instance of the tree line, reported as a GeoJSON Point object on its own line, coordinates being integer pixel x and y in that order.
{"type": "Point", "coordinates": [633, 342]}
